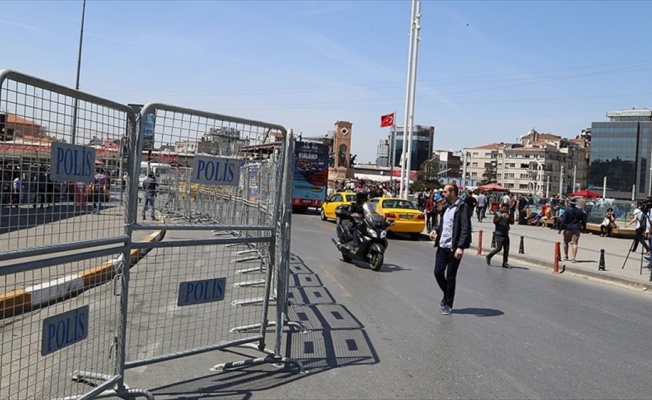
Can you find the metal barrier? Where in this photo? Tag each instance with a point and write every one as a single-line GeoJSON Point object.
{"type": "Point", "coordinates": [57, 248]}
{"type": "Point", "coordinates": [87, 287]}
{"type": "Point", "coordinates": [203, 287]}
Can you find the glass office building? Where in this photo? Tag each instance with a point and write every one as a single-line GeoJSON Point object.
{"type": "Point", "coordinates": [620, 151]}
{"type": "Point", "coordinates": [422, 146]}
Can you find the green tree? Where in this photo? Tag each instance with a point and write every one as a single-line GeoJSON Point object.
{"type": "Point", "coordinates": [427, 176]}
{"type": "Point", "coordinates": [490, 175]}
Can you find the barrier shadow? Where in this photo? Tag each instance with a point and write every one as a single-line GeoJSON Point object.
{"type": "Point", "coordinates": [333, 338]}
{"type": "Point", "coordinates": [26, 217]}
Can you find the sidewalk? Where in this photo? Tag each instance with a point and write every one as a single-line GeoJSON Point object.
{"type": "Point", "coordinates": [539, 249]}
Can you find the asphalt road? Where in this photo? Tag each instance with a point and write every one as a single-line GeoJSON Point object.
{"type": "Point", "coordinates": [520, 333]}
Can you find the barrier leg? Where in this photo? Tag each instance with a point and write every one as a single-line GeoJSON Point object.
{"type": "Point", "coordinates": [521, 247]}
{"type": "Point", "coordinates": [480, 242]}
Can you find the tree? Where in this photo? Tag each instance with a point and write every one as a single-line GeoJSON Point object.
{"type": "Point", "coordinates": [427, 176]}
{"type": "Point", "coordinates": [490, 175]}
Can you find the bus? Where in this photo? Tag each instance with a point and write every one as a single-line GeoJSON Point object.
{"type": "Point", "coordinates": [310, 175]}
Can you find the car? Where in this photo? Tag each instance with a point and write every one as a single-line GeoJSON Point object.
{"type": "Point", "coordinates": [406, 216]}
{"type": "Point", "coordinates": [334, 200]}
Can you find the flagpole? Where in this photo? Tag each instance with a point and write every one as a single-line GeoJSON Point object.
{"type": "Point", "coordinates": [392, 138]}
{"type": "Point", "coordinates": [413, 91]}
{"type": "Point", "coordinates": [406, 116]}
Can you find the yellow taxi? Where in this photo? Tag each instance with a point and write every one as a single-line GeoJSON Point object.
{"type": "Point", "coordinates": [406, 216]}
{"type": "Point", "coordinates": [334, 200]}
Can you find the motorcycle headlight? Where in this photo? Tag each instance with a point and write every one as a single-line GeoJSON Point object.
{"type": "Point", "coordinates": [383, 234]}
{"type": "Point", "coordinates": [373, 233]}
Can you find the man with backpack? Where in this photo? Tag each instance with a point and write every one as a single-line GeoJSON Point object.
{"type": "Point", "coordinates": [572, 223]}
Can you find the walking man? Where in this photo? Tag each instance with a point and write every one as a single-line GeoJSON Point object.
{"type": "Point", "coordinates": [150, 185]}
{"type": "Point", "coordinates": [572, 223]}
{"type": "Point", "coordinates": [481, 206]}
{"type": "Point", "coordinates": [452, 237]}
{"type": "Point", "coordinates": [502, 220]}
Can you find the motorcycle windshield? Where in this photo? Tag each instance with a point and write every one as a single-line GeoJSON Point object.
{"type": "Point", "coordinates": [372, 217]}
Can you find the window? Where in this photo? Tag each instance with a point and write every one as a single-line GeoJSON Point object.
{"type": "Point", "coordinates": [474, 174]}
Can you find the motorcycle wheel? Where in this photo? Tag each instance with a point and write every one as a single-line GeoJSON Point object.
{"type": "Point", "coordinates": [346, 257]}
{"type": "Point", "coordinates": [323, 216]}
{"type": "Point", "coordinates": [376, 261]}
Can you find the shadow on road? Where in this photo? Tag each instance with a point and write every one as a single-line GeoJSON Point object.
{"type": "Point", "coordinates": [479, 312]}
{"type": "Point", "coordinates": [333, 338]}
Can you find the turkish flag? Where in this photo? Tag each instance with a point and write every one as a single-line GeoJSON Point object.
{"type": "Point", "coordinates": [386, 120]}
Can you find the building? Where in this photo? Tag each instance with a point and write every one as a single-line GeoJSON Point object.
{"type": "Point", "coordinates": [389, 150]}
{"type": "Point", "coordinates": [450, 164]}
{"type": "Point", "coordinates": [541, 164]}
{"type": "Point", "coordinates": [620, 154]}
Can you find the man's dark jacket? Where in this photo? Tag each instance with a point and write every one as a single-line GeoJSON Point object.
{"type": "Point", "coordinates": [461, 226]}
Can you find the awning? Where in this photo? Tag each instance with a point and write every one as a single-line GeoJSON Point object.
{"type": "Point", "coordinates": [373, 177]}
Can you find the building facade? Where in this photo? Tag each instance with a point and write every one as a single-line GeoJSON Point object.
{"type": "Point", "coordinates": [541, 164]}
{"type": "Point", "coordinates": [389, 151]}
{"type": "Point", "coordinates": [621, 152]}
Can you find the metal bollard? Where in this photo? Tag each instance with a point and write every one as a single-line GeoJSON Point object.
{"type": "Point", "coordinates": [480, 242]}
{"type": "Point", "coordinates": [555, 264]}
{"type": "Point", "coordinates": [601, 266]}
{"type": "Point", "coordinates": [521, 247]}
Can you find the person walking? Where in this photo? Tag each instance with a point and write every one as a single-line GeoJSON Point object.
{"type": "Point", "coordinates": [429, 209]}
{"type": "Point", "coordinates": [16, 185]}
{"type": "Point", "coordinates": [502, 221]}
{"type": "Point", "coordinates": [150, 185]}
{"type": "Point", "coordinates": [572, 223]}
{"type": "Point", "coordinates": [452, 237]}
{"type": "Point", "coordinates": [100, 185]}
{"type": "Point", "coordinates": [481, 206]}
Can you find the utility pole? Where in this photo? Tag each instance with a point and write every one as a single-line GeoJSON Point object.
{"type": "Point", "coordinates": [574, 178]}
{"type": "Point", "coordinates": [561, 181]}
{"type": "Point", "coordinates": [74, 110]}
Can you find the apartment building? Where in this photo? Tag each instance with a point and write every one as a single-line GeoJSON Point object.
{"type": "Point", "coordinates": [541, 164]}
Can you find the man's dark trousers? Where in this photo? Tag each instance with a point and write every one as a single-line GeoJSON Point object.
{"type": "Point", "coordinates": [446, 273]}
{"type": "Point", "coordinates": [502, 243]}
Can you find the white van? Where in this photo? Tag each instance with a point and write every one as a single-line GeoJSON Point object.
{"type": "Point", "coordinates": [164, 173]}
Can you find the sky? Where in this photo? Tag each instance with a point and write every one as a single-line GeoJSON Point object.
{"type": "Point", "coordinates": [487, 71]}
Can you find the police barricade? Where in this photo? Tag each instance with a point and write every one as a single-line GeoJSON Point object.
{"type": "Point", "coordinates": [196, 288]}
{"type": "Point", "coordinates": [62, 260]}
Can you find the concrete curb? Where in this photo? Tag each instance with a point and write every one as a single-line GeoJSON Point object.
{"type": "Point", "coordinates": [565, 267]}
{"type": "Point", "coordinates": [20, 301]}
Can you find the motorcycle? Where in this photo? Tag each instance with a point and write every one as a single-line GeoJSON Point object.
{"type": "Point", "coordinates": [372, 229]}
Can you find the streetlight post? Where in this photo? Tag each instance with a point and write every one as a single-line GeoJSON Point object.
{"type": "Point", "coordinates": [81, 38]}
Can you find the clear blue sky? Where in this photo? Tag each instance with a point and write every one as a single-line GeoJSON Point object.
{"type": "Point", "coordinates": [488, 71]}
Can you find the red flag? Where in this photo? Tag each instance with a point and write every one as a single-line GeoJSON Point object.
{"type": "Point", "coordinates": [386, 120]}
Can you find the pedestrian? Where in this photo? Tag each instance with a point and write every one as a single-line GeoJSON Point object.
{"type": "Point", "coordinates": [608, 223]}
{"type": "Point", "coordinates": [502, 221]}
{"type": "Point", "coordinates": [572, 223]}
{"type": "Point", "coordinates": [150, 185]}
{"type": "Point", "coordinates": [16, 185]}
{"type": "Point", "coordinates": [100, 186]}
{"type": "Point", "coordinates": [452, 237]}
{"type": "Point", "coordinates": [639, 216]}
{"type": "Point", "coordinates": [429, 209]}
{"type": "Point", "coordinates": [481, 206]}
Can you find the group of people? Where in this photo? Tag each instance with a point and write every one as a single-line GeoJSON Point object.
{"type": "Point", "coordinates": [452, 236]}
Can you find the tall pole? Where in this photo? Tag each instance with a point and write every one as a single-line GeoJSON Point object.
{"type": "Point", "coordinates": [574, 178]}
{"type": "Point", "coordinates": [561, 182]}
{"type": "Point", "coordinates": [79, 55]}
{"type": "Point", "coordinates": [604, 187]}
{"type": "Point", "coordinates": [407, 99]}
{"type": "Point", "coordinates": [413, 90]}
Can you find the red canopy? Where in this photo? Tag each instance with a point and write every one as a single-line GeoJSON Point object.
{"type": "Point", "coordinates": [493, 187]}
{"type": "Point", "coordinates": [589, 194]}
